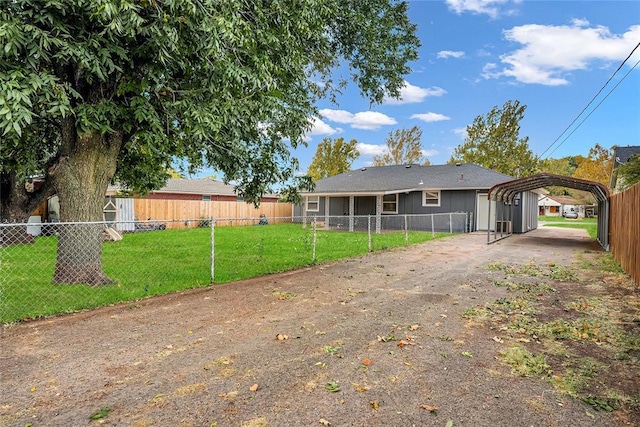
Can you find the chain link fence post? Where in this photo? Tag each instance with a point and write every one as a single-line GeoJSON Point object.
{"type": "Point", "coordinates": [313, 246]}
{"type": "Point", "coordinates": [406, 232]}
{"type": "Point", "coordinates": [212, 226]}
{"type": "Point", "coordinates": [369, 232]}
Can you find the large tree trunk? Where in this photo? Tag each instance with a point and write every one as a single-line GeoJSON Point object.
{"type": "Point", "coordinates": [81, 178]}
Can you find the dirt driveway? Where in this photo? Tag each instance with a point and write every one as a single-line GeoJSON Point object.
{"type": "Point", "coordinates": [373, 341]}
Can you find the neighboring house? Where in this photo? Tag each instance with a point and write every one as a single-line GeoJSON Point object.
{"type": "Point", "coordinates": [563, 203]}
{"type": "Point", "coordinates": [620, 156]}
{"type": "Point", "coordinates": [384, 191]}
{"type": "Point", "coordinates": [548, 206]}
{"type": "Point", "coordinates": [199, 189]}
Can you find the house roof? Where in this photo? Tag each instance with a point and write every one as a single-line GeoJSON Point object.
{"type": "Point", "coordinates": [378, 180]}
{"type": "Point", "coordinates": [564, 200]}
{"type": "Point", "coordinates": [203, 186]}
{"type": "Point", "coordinates": [196, 186]}
{"type": "Point", "coordinates": [622, 154]}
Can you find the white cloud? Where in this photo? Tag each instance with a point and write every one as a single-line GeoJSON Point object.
{"type": "Point", "coordinates": [411, 94]}
{"type": "Point", "coordinates": [321, 128]}
{"type": "Point", "coordinates": [450, 54]}
{"type": "Point", "coordinates": [550, 52]}
{"type": "Point", "coordinates": [461, 132]}
{"type": "Point", "coordinates": [493, 8]}
{"type": "Point", "coordinates": [368, 120]}
{"type": "Point", "coordinates": [430, 117]}
{"type": "Point", "coordinates": [370, 150]}
{"type": "Point", "coordinates": [430, 153]}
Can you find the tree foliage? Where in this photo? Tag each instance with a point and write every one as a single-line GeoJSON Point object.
{"type": "Point", "coordinates": [629, 172]}
{"type": "Point", "coordinates": [596, 166]}
{"type": "Point", "coordinates": [493, 141]}
{"type": "Point", "coordinates": [333, 158]}
{"type": "Point", "coordinates": [404, 146]}
{"type": "Point", "coordinates": [93, 91]}
{"type": "Point", "coordinates": [223, 83]}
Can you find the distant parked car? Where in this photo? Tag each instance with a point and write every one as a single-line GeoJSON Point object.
{"type": "Point", "coordinates": [571, 214]}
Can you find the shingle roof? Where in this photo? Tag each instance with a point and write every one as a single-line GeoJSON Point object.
{"type": "Point", "coordinates": [196, 186]}
{"type": "Point", "coordinates": [390, 179]}
{"type": "Point", "coordinates": [622, 154]}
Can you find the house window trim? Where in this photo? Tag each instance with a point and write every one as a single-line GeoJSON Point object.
{"type": "Point", "coordinates": [388, 212]}
{"type": "Point", "coordinates": [309, 201]}
{"type": "Point", "coordinates": [431, 205]}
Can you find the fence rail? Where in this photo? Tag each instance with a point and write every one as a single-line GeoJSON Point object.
{"type": "Point", "coordinates": [118, 262]}
{"type": "Point", "coordinates": [624, 230]}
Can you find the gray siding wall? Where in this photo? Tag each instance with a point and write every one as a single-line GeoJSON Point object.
{"type": "Point", "coordinates": [450, 201]}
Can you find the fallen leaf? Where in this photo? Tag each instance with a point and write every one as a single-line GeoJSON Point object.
{"type": "Point", "coordinates": [33, 389]}
{"type": "Point", "coordinates": [254, 387]}
{"type": "Point", "coordinates": [324, 422]}
{"type": "Point", "coordinates": [366, 361]}
{"type": "Point", "coordinates": [449, 423]}
{"type": "Point", "coordinates": [413, 327]}
{"type": "Point", "coordinates": [281, 337]}
{"type": "Point", "coordinates": [403, 343]}
{"type": "Point", "coordinates": [444, 316]}
{"type": "Point", "coordinates": [498, 339]}
{"type": "Point", "coordinates": [467, 354]}
{"type": "Point", "coordinates": [374, 404]}
{"type": "Point", "coordinates": [432, 409]}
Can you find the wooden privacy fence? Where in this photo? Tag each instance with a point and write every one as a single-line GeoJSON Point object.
{"type": "Point", "coordinates": [624, 230]}
{"type": "Point", "coordinates": [179, 210]}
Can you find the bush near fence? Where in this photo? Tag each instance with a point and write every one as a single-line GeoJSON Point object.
{"type": "Point", "coordinates": [155, 260]}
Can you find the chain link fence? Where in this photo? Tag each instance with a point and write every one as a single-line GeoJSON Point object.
{"type": "Point", "coordinates": [53, 268]}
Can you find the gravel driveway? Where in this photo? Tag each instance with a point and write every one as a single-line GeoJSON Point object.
{"type": "Point", "coordinates": [372, 341]}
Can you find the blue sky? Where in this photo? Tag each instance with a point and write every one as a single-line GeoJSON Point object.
{"type": "Point", "coordinates": [553, 56]}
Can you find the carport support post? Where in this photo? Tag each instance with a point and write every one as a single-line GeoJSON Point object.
{"type": "Point", "coordinates": [213, 246]}
{"type": "Point", "coordinates": [489, 222]}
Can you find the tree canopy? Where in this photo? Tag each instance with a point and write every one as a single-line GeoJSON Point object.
{"type": "Point", "coordinates": [93, 91]}
{"type": "Point", "coordinates": [404, 146]}
{"type": "Point", "coordinates": [596, 166]}
{"type": "Point", "coordinates": [332, 158]}
{"type": "Point", "coordinates": [629, 172]}
{"type": "Point", "coordinates": [493, 141]}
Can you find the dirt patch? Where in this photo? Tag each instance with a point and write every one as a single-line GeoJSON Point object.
{"type": "Point", "coordinates": [378, 340]}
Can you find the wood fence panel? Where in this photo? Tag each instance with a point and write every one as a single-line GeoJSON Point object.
{"type": "Point", "coordinates": [188, 213]}
{"type": "Point", "coordinates": [624, 230]}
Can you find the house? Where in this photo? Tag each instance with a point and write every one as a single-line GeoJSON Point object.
{"type": "Point", "coordinates": [621, 155]}
{"type": "Point", "coordinates": [204, 189]}
{"type": "Point", "coordinates": [549, 206]}
{"type": "Point", "coordinates": [387, 191]}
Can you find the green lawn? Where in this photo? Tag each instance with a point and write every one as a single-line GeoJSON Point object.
{"type": "Point", "coordinates": [159, 262]}
{"type": "Point", "coordinates": [563, 219]}
{"type": "Point", "coordinates": [592, 228]}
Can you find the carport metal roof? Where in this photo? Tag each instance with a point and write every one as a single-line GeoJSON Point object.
{"type": "Point", "coordinates": [507, 192]}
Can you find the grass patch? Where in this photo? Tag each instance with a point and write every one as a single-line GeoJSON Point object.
{"type": "Point", "coordinates": [160, 262]}
{"type": "Point", "coordinates": [592, 228]}
{"type": "Point", "coordinates": [563, 219]}
{"type": "Point", "coordinates": [524, 363]}
{"type": "Point", "coordinates": [574, 336]}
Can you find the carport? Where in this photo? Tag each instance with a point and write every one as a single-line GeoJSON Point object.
{"type": "Point", "coordinates": [509, 193]}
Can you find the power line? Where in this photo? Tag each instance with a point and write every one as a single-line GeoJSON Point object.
{"type": "Point", "coordinates": [591, 112]}
{"type": "Point", "coordinates": [590, 102]}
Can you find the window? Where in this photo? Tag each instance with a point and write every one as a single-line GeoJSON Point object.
{"type": "Point", "coordinates": [390, 204]}
{"type": "Point", "coordinates": [206, 198]}
{"type": "Point", "coordinates": [431, 198]}
{"type": "Point", "coordinates": [313, 203]}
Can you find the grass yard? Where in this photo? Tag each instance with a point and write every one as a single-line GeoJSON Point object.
{"type": "Point", "coordinates": [591, 227]}
{"type": "Point", "coordinates": [563, 219]}
{"type": "Point", "coordinates": [159, 262]}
